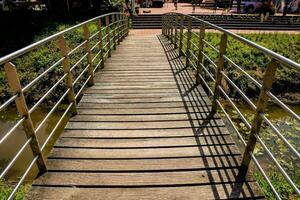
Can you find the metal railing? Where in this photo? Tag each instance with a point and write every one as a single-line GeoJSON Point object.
{"type": "Point", "coordinates": [179, 29]}
{"type": "Point", "coordinates": [111, 30]}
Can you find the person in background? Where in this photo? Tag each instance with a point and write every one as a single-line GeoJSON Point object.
{"type": "Point", "coordinates": [194, 3]}
{"type": "Point", "coordinates": [175, 4]}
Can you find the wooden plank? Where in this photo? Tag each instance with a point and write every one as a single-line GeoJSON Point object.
{"type": "Point", "coordinates": [143, 125]}
{"type": "Point", "coordinates": [192, 118]}
{"type": "Point", "coordinates": [217, 191]}
{"type": "Point", "coordinates": [138, 111]}
{"type": "Point", "coordinates": [139, 179]}
{"type": "Point", "coordinates": [144, 142]}
{"type": "Point", "coordinates": [175, 152]}
{"type": "Point", "coordinates": [205, 131]}
{"type": "Point", "coordinates": [178, 164]}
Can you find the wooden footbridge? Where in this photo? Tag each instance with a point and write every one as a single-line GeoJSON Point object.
{"type": "Point", "coordinates": [146, 127]}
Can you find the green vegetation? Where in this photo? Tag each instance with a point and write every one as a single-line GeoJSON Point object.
{"type": "Point", "coordinates": [34, 63]}
{"type": "Point", "coordinates": [5, 191]}
{"type": "Point", "coordinates": [254, 62]}
{"type": "Point", "coordinates": [289, 128]}
{"type": "Point", "coordinates": [286, 87]}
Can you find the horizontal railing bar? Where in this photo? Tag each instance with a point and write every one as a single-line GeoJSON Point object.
{"type": "Point", "coordinates": [47, 93]}
{"type": "Point", "coordinates": [82, 87]}
{"type": "Point", "coordinates": [52, 110]}
{"type": "Point", "coordinates": [211, 46]}
{"type": "Point", "coordinates": [235, 107]}
{"type": "Point", "coordinates": [283, 106]}
{"type": "Point", "coordinates": [11, 163]}
{"type": "Point", "coordinates": [239, 91]}
{"type": "Point", "coordinates": [81, 74]}
{"type": "Point", "coordinates": [264, 175]}
{"type": "Point", "coordinates": [76, 48]}
{"type": "Point", "coordinates": [232, 124]}
{"type": "Point", "coordinates": [56, 126]}
{"type": "Point", "coordinates": [97, 55]}
{"type": "Point", "coordinates": [98, 64]}
{"type": "Point", "coordinates": [207, 72]}
{"type": "Point", "coordinates": [268, 122]}
{"type": "Point", "coordinates": [79, 61]}
{"type": "Point", "coordinates": [269, 52]}
{"type": "Point", "coordinates": [208, 58]}
{"type": "Point", "coordinates": [12, 129]}
{"type": "Point", "coordinates": [243, 71]}
{"type": "Point", "coordinates": [207, 86]}
{"type": "Point", "coordinates": [271, 156]}
{"type": "Point", "coordinates": [8, 102]}
{"type": "Point", "coordinates": [97, 43]}
{"type": "Point", "coordinates": [42, 74]}
{"type": "Point", "coordinates": [28, 48]}
{"type": "Point", "coordinates": [12, 194]}
{"type": "Point", "coordinates": [95, 34]}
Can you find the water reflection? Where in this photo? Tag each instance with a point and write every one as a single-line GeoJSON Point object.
{"type": "Point", "coordinates": [18, 138]}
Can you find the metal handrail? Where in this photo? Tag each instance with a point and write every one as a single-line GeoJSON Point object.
{"type": "Point", "coordinates": [109, 35]}
{"type": "Point", "coordinates": [170, 22]}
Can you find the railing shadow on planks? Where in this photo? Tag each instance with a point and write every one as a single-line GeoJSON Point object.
{"type": "Point", "coordinates": [94, 48]}
{"type": "Point", "coordinates": [212, 76]}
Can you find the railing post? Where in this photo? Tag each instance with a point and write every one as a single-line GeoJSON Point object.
{"type": "Point", "coordinates": [168, 26]}
{"type": "Point", "coordinates": [188, 44]}
{"type": "Point", "coordinates": [220, 64]}
{"type": "Point", "coordinates": [163, 25]}
{"type": "Point", "coordinates": [172, 27]}
{"type": "Point", "coordinates": [118, 28]}
{"type": "Point", "coordinates": [176, 31]}
{"type": "Point", "coordinates": [108, 35]}
{"type": "Point", "coordinates": [181, 34]}
{"type": "Point", "coordinates": [114, 32]}
{"type": "Point", "coordinates": [86, 34]}
{"type": "Point", "coordinates": [15, 86]}
{"type": "Point", "coordinates": [122, 27]}
{"type": "Point", "coordinates": [200, 50]}
{"type": "Point", "coordinates": [257, 121]}
{"type": "Point", "coordinates": [100, 37]}
{"type": "Point", "coordinates": [66, 67]}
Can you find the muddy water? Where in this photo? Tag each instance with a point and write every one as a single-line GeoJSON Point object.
{"type": "Point", "coordinates": [16, 140]}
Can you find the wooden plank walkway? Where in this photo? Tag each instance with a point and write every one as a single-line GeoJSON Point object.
{"type": "Point", "coordinates": [144, 131]}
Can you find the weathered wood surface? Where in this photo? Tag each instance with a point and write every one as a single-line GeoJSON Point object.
{"type": "Point", "coordinates": [144, 131]}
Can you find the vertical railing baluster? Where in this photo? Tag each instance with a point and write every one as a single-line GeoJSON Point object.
{"type": "Point", "coordinates": [122, 27]}
{"type": "Point", "coordinates": [67, 70]}
{"type": "Point", "coordinates": [108, 35]}
{"type": "Point", "coordinates": [86, 34]}
{"type": "Point", "coordinates": [163, 25]}
{"type": "Point", "coordinates": [181, 35]}
{"type": "Point", "coordinates": [200, 55]}
{"type": "Point", "coordinates": [114, 32]}
{"type": "Point", "coordinates": [220, 64]}
{"type": "Point", "coordinates": [176, 31]}
{"type": "Point", "coordinates": [261, 105]}
{"type": "Point", "coordinates": [188, 42]}
{"type": "Point", "coordinates": [172, 27]}
{"type": "Point", "coordinates": [15, 86]}
{"type": "Point", "coordinates": [118, 28]}
{"type": "Point", "coordinates": [100, 38]}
